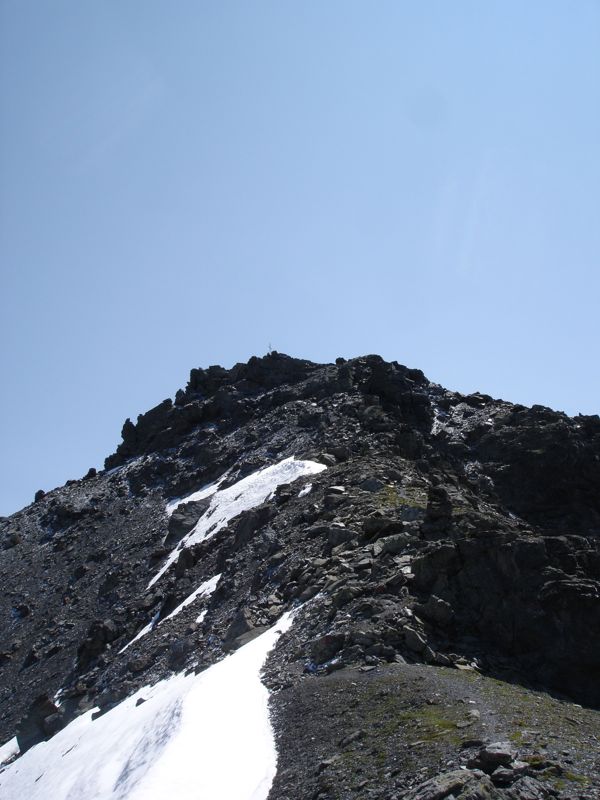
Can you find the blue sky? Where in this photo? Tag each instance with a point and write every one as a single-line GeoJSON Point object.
{"type": "Point", "coordinates": [185, 183]}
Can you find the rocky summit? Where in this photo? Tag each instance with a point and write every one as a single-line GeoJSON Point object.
{"type": "Point", "coordinates": [425, 563]}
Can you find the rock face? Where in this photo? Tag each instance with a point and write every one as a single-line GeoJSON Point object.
{"type": "Point", "coordinates": [460, 533]}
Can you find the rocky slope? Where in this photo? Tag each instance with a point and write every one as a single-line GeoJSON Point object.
{"type": "Point", "coordinates": [444, 550]}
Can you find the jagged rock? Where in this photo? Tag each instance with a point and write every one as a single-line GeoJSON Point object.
{"type": "Point", "coordinates": [435, 610]}
{"type": "Point", "coordinates": [183, 519]}
{"type": "Point", "coordinates": [339, 534]}
{"type": "Point", "coordinates": [438, 514]}
{"type": "Point", "coordinates": [379, 525]}
{"type": "Point", "coordinates": [42, 720]}
{"type": "Point", "coordinates": [391, 544]}
{"type": "Point", "coordinates": [496, 754]}
{"type": "Point", "coordinates": [138, 664]}
{"type": "Point", "coordinates": [241, 625]}
{"type": "Point", "coordinates": [325, 458]}
{"type": "Point", "coordinates": [527, 788]}
{"type": "Point", "coordinates": [415, 641]}
{"type": "Point", "coordinates": [326, 647]}
{"type": "Point", "coordinates": [446, 530]}
{"type": "Point", "coordinates": [178, 653]}
{"type": "Point", "coordinates": [372, 485]}
{"type": "Point", "coordinates": [99, 635]}
{"type": "Point", "coordinates": [250, 522]}
{"type": "Point", "coordinates": [503, 776]}
{"type": "Point", "coordinates": [446, 784]}
{"type": "Point", "coordinates": [441, 561]}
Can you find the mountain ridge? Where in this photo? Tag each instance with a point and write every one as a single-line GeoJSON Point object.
{"type": "Point", "coordinates": [443, 533]}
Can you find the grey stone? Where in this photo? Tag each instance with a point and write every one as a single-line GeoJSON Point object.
{"type": "Point", "coordinates": [503, 776]}
{"type": "Point", "coordinates": [442, 785]}
{"type": "Point", "coordinates": [496, 754]}
{"type": "Point", "coordinates": [527, 788]}
{"type": "Point", "coordinates": [33, 727]}
{"type": "Point", "coordinates": [183, 519]}
{"type": "Point", "coordinates": [339, 534]}
{"type": "Point", "coordinates": [391, 544]}
{"type": "Point", "coordinates": [415, 641]}
{"type": "Point", "coordinates": [325, 647]}
{"type": "Point", "coordinates": [327, 459]}
{"type": "Point", "coordinates": [436, 610]}
{"type": "Point", "coordinates": [372, 485]}
{"type": "Point", "coordinates": [241, 624]}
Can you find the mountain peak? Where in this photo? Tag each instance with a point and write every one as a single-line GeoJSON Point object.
{"type": "Point", "coordinates": [431, 551]}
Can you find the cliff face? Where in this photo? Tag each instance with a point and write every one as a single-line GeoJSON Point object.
{"type": "Point", "coordinates": [423, 533]}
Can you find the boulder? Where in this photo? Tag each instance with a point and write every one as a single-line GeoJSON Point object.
{"type": "Point", "coordinates": [527, 788]}
{"type": "Point", "coordinates": [436, 611]}
{"type": "Point", "coordinates": [100, 633]}
{"type": "Point", "coordinates": [391, 544]}
{"type": "Point", "coordinates": [494, 755]}
{"type": "Point", "coordinates": [445, 785]}
{"type": "Point", "coordinates": [338, 534]}
{"type": "Point", "coordinates": [414, 640]}
{"type": "Point", "coordinates": [41, 721]}
{"type": "Point", "coordinates": [372, 485]}
{"type": "Point", "coordinates": [184, 518]}
{"type": "Point", "coordinates": [442, 560]}
{"type": "Point", "coordinates": [325, 647]}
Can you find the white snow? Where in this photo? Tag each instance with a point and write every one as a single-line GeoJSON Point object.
{"type": "Point", "coordinates": [8, 750]}
{"type": "Point", "coordinates": [227, 503]}
{"type": "Point", "coordinates": [305, 490]}
{"type": "Point", "coordinates": [204, 590]}
{"type": "Point", "coordinates": [146, 629]}
{"type": "Point", "coordinates": [205, 491]}
{"type": "Point", "coordinates": [197, 737]}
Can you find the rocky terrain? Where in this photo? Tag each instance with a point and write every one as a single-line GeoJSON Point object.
{"type": "Point", "coordinates": [442, 552]}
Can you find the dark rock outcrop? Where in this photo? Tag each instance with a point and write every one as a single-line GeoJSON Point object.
{"type": "Point", "coordinates": [457, 532]}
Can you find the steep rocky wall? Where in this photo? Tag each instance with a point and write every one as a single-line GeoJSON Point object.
{"type": "Point", "coordinates": [449, 530]}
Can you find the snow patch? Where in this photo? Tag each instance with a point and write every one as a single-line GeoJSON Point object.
{"type": "Point", "coordinates": [204, 590]}
{"type": "Point", "coordinates": [195, 736]}
{"type": "Point", "coordinates": [306, 490]}
{"type": "Point", "coordinates": [146, 629]}
{"type": "Point", "coordinates": [205, 491]}
{"type": "Point", "coordinates": [226, 504]}
{"type": "Point", "coordinates": [8, 750]}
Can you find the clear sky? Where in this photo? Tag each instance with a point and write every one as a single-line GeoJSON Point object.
{"type": "Point", "coordinates": [184, 184]}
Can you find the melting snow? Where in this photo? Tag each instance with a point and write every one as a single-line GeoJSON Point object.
{"type": "Point", "coordinates": [146, 629]}
{"type": "Point", "coordinates": [8, 750]}
{"type": "Point", "coordinates": [196, 737]}
{"type": "Point", "coordinates": [227, 503]}
{"type": "Point", "coordinates": [205, 491]}
{"type": "Point", "coordinates": [204, 590]}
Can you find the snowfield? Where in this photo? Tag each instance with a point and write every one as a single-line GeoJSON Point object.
{"type": "Point", "coordinates": [193, 737]}
{"type": "Point", "coordinates": [8, 750]}
{"type": "Point", "coordinates": [226, 504]}
{"type": "Point", "coordinates": [188, 737]}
